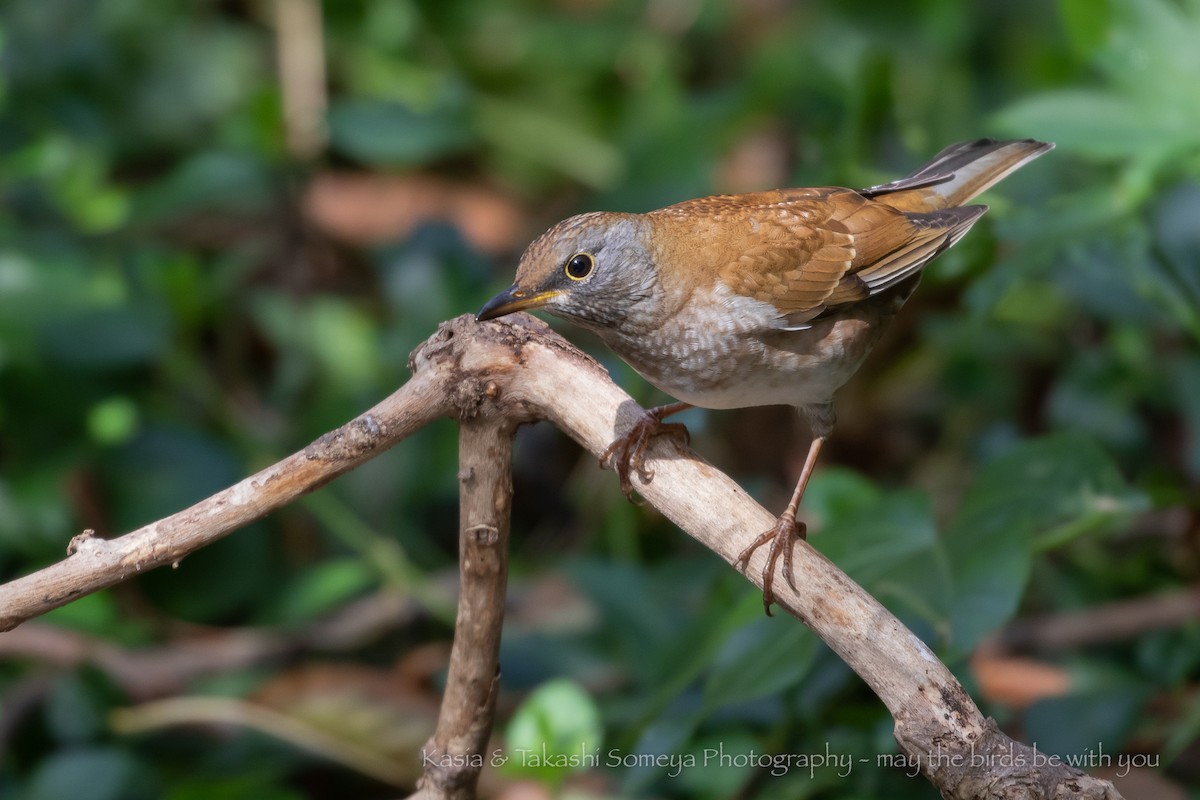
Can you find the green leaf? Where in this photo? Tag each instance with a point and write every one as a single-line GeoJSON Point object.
{"type": "Point", "coordinates": [1050, 482]}
{"type": "Point", "coordinates": [1145, 50]}
{"type": "Point", "coordinates": [553, 732]}
{"type": "Point", "coordinates": [344, 340]}
{"type": "Point", "coordinates": [1041, 493]}
{"type": "Point", "coordinates": [97, 614]}
{"type": "Point", "coordinates": [718, 772]}
{"type": "Point", "coordinates": [1096, 123]}
{"type": "Point", "coordinates": [989, 561]}
{"type": "Point", "coordinates": [225, 180]}
{"type": "Point", "coordinates": [1178, 238]}
{"type": "Point", "coordinates": [324, 587]}
{"type": "Point", "coordinates": [684, 651]}
{"type": "Point", "coordinates": [113, 420]}
{"type": "Point", "coordinates": [671, 733]}
{"type": "Point", "coordinates": [1084, 724]}
{"type": "Point", "coordinates": [1184, 730]}
{"type": "Point", "coordinates": [108, 338]}
{"type": "Point", "coordinates": [1185, 380]}
{"type": "Point", "coordinates": [389, 134]}
{"type": "Point", "coordinates": [99, 773]}
{"type": "Point", "coordinates": [759, 659]}
{"type": "Point", "coordinates": [1169, 657]}
{"type": "Point", "coordinates": [621, 593]}
{"type": "Point", "coordinates": [552, 141]}
{"type": "Point", "coordinates": [876, 540]}
{"type": "Point", "coordinates": [252, 786]}
{"type": "Point", "coordinates": [836, 493]}
{"type": "Point", "coordinates": [1086, 23]}
{"type": "Point", "coordinates": [74, 711]}
{"type": "Point", "coordinates": [1151, 51]}
{"type": "Point", "coordinates": [163, 469]}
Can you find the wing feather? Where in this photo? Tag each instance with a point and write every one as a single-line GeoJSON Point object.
{"type": "Point", "coordinates": [806, 251]}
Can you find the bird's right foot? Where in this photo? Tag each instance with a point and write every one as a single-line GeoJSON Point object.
{"type": "Point", "coordinates": [628, 452]}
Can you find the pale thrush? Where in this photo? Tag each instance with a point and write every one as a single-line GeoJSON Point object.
{"type": "Point", "coordinates": [755, 299]}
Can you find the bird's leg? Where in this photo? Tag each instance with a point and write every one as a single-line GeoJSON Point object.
{"type": "Point", "coordinates": [784, 534]}
{"type": "Point", "coordinates": [628, 452]}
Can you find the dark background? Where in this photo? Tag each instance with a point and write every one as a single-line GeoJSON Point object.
{"type": "Point", "coordinates": [194, 284]}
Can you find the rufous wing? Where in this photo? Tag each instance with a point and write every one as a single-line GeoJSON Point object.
{"type": "Point", "coordinates": [808, 250]}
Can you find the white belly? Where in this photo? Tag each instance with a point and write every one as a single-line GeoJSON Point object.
{"type": "Point", "coordinates": [728, 355]}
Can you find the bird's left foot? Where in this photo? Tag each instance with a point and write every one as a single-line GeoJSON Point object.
{"type": "Point", "coordinates": [782, 537]}
{"type": "Point", "coordinates": [628, 452]}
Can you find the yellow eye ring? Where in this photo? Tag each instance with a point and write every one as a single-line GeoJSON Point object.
{"type": "Point", "coordinates": [579, 266]}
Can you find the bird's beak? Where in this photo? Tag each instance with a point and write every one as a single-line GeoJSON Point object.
{"type": "Point", "coordinates": [513, 299]}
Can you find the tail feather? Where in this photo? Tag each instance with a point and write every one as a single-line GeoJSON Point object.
{"type": "Point", "coordinates": [957, 174]}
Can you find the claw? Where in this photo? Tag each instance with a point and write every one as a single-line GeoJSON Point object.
{"type": "Point", "coordinates": [628, 452]}
{"type": "Point", "coordinates": [782, 538]}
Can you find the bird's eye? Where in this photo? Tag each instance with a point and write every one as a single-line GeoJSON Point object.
{"type": "Point", "coordinates": [579, 266]}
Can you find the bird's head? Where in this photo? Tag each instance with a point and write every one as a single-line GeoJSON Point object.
{"type": "Point", "coordinates": [592, 269]}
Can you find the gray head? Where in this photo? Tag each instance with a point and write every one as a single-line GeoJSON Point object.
{"type": "Point", "coordinates": [594, 269]}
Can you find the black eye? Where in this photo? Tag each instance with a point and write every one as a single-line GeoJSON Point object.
{"type": "Point", "coordinates": [579, 266]}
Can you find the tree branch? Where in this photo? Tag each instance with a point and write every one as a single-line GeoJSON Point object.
{"type": "Point", "coordinates": [517, 369]}
{"type": "Point", "coordinates": [94, 563]}
{"type": "Point", "coordinates": [454, 756]}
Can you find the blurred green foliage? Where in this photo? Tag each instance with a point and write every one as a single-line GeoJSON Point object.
{"type": "Point", "coordinates": [175, 315]}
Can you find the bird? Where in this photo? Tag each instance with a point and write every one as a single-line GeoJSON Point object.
{"type": "Point", "coordinates": [765, 298]}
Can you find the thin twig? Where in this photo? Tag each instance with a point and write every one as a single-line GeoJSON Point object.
{"type": "Point", "coordinates": [95, 563]}
{"type": "Point", "coordinates": [1101, 624]}
{"type": "Point", "coordinates": [300, 50]}
{"type": "Point", "coordinates": [150, 672]}
{"type": "Point", "coordinates": [287, 727]}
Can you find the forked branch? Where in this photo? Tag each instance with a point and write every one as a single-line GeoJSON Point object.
{"type": "Point", "coordinates": [492, 377]}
